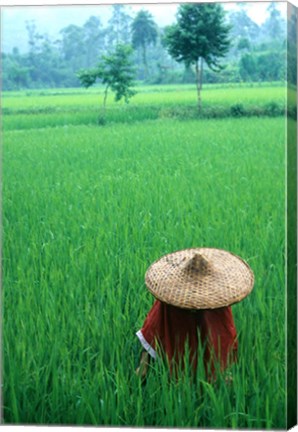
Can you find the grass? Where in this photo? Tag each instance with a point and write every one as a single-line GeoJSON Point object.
{"type": "Point", "coordinates": [86, 209]}
{"type": "Point", "coordinates": [163, 95]}
{"type": "Point", "coordinates": [80, 106]}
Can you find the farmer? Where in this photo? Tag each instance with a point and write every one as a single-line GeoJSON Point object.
{"type": "Point", "coordinates": [194, 289]}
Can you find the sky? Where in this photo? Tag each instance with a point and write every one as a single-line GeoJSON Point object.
{"type": "Point", "coordinates": [50, 19]}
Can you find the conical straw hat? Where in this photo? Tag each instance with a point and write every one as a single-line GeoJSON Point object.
{"type": "Point", "coordinates": [200, 278]}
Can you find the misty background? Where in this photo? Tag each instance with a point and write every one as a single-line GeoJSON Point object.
{"type": "Point", "coordinates": [45, 46]}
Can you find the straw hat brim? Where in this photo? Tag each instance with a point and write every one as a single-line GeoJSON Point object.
{"type": "Point", "coordinates": [200, 278]}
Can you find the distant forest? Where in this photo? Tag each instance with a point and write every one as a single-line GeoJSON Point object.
{"type": "Point", "coordinates": [257, 52]}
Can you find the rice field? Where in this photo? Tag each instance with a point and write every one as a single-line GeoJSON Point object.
{"type": "Point", "coordinates": [81, 106]}
{"type": "Point", "coordinates": [86, 209]}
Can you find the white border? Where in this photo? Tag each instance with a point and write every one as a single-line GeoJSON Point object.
{"type": "Point", "coordinates": [7, 3]}
{"type": "Point", "coordinates": [108, 2]}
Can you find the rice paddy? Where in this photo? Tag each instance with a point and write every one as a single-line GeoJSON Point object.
{"type": "Point", "coordinates": [45, 108]}
{"type": "Point", "coordinates": [86, 209]}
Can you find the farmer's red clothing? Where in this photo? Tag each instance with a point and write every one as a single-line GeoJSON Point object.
{"type": "Point", "coordinates": [171, 328]}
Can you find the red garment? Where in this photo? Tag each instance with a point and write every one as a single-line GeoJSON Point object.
{"type": "Point", "coordinates": [170, 328]}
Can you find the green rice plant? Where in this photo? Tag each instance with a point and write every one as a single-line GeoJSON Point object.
{"type": "Point", "coordinates": [75, 108]}
{"type": "Point", "coordinates": [86, 209]}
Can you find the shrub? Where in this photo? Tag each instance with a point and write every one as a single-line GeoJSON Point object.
{"type": "Point", "coordinates": [238, 110]}
{"type": "Point", "coordinates": [273, 109]}
{"type": "Point", "coordinates": [101, 121]}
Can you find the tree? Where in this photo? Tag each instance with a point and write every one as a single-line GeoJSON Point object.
{"type": "Point", "coordinates": [35, 43]}
{"type": "Point", "coordinates": [73, 46]}
{"type": "Point", "coordinates": [264, 66]}
{"type": "Point", "coordinates": [200, 34]}
{"type": "Point", "coordinates": [93, 40]}
{"type": "Point", "coordinates": [272, 66]}
{"type": "Point", "coordinates": [243, 44]}
{"type": "Point", "coordinates": [119, 25]}
{"type": "Point", "coordinates": [242, 26]}
{"type": "Point", "coordinates": [42, 61]}
{"type": "Point", "coordinates": [15, 75]}
{"type": "Point", "coordinates": [274, 26]}
{"type": "Point", "coordinates": [115, 71]}
{"type": "Point", "coordinates": [144, 33]}
{"type": "Point", "coordinates": [248, 67]}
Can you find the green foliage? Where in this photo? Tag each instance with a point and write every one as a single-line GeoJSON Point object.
{"type": "Point", "coordinates": [94, 41]}
{"type": "Point", "coordinates": [243, 29]}
{"type": "Point", "coordinates": [76, 245]}
{"type": "Point", "coordinates": [79, 106]}
{"type": "Point", "coordinates": [14, 74]}
{"type": "Point", "coordinates": [274, 109]}
{"type": "Point", "coordinates": [243, 44]}
{"type": "Point", "coordinates": [118, 30]}
{"type": "Point", "coordinates": [248, 67]}
{"type": "Point", "coordinates": [144, 30]}
{"type": "Point", "coordinates": [53, 63]}
{"type": "Point", "coordinates": [274, 23]}
{"type": "Point", "coordinates": [88, 77]}
{"type": "Point", "coordinates": [200, 32]}
{"type": "Point", "coordinates": [272, 66]}
{"type": "Point", "coordinates": [115, 71]}
{"type": "Point", "coordinates": [237, 110]}
{"type": "Point", "coordinates": [265, 66]}
{"type": "Point", "coordinates": [144, 33]}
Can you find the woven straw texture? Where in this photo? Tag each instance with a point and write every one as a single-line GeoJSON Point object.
{"type": "Point", "coordinates": [200, 278]}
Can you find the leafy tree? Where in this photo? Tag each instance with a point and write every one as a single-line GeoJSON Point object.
{"type": "Point", "coordinates": [35, 48]}
{"type": "Point", "coordinates": [118, 30]}
{"type": "Point", "coordinates": [264, 66]}
{"type": "Point", "coordinates": [73, 46]}
{"type": "Point", "coordinates": [115, 71]}
{"type": "Point", "coordinates": [93, 40]}
{"type": "Point", "coordinates": [15, 75]}
{"type": "Point", "coordinates": [200, 34]}
{"type": "Point", "coordinates": [272, 66]}
{"type": "Point", "coordinates": [43, 62]}
{"type": "Point", "coordinates": [274, 25]}
{"type": "Point", "coordinates": [144, 33]}
{"type": "Point", "coordinates": [243, 44]}
{"type": "Point", "coordinates": [242, 26]}
{"type": "Point", "coordinates": [255, 54]}
{"type": "Point", "coordinates": [248, 67]}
